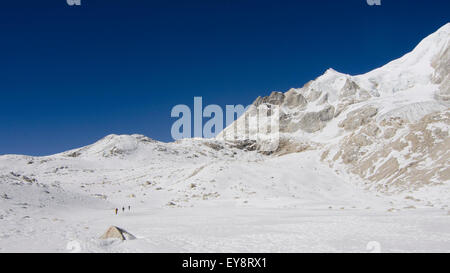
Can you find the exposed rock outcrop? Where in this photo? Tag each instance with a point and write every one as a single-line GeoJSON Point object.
{"type": "Point", "coordinates": [359, 117]}
{"type": "Point", "coordinates": [441, 76]}
{"type": "Point", "coordinates": [401, 159]}
{"type": "Point", "coordinates": [293, 99]}
{"type": "Point", "coordinates": [275, 98]}
{"type": "Point", "coordinates": [314, 121]}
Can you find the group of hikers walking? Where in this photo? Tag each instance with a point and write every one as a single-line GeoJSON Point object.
{"type": "Point", "coordinates": [123, 209]}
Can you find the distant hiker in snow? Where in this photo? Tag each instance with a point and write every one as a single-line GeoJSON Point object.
{"type": "Point", "coordinates": [117, 210]}
{"type": "Point", "coordinates": [123, 209]}
{"type": "Point", "coordinates": [129, 208]}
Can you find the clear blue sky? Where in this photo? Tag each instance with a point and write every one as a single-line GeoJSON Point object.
{"type": "Point", "coordinates": [71, 75]}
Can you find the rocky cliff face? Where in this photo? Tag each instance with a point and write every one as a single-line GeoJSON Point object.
{"type": "Point", "coordinates": [397, 155]}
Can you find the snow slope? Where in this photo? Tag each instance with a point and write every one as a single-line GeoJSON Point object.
{"type": "Point", "coordinates": [291, 203]}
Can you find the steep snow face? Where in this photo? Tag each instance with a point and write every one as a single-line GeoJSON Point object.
{"type": "Point", "coordinates": [415, 69]}
{"type": "Point", "coordinates": [416, 78]}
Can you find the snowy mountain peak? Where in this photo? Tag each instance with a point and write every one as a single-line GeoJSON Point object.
{"type": "Point", "coordinates": [410, 87]}
{"type": "Point", "coordinates": [331, 71]}
{"type": "Point", "coordinates": [363, 120]}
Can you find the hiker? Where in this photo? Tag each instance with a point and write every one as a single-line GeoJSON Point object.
{"type": "Point", "coordinates": [117, 210]}
{"type": "Point", "coordinates": [129, 208]}
{"type": "Point", "coordinates": [123, 209]}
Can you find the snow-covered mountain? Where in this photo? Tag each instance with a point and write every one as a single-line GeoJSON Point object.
{"type": "Point", "coordinates": [388, 126]}
{"type": "Point", "coordinates": [353, 150]}
{"type": "Point", "coordinates": [409, 88]}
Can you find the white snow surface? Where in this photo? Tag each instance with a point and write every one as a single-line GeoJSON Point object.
{"type": "Point", "coordinates": [186, 197]}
